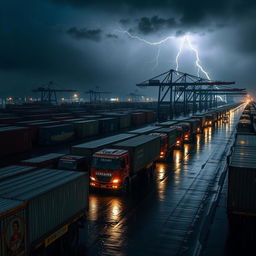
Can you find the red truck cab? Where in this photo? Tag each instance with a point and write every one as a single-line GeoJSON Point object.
{"type": "Point", "coordinates": [109, 168]}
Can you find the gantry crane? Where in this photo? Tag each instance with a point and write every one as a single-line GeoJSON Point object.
{"type": "Point", "coordinates": [49, 94]}
{"type": "Point", "coordinates": [175, 86]}
{"type": "Point", "coordinates": [96, 95]}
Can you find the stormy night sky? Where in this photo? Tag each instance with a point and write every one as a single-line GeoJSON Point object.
{"type": "Point", "coordinates": [79, 44]}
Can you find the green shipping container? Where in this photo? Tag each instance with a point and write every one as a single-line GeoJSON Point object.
{"type": "Point", "coordinates": [86, 128]}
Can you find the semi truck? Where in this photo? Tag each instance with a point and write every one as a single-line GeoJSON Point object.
{"type": "Point", "coordinates": [169, 138]}
{"type": "Point", "coordinates": [118, 166]}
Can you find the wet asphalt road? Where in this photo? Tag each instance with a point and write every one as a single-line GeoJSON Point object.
{"type": "Point", "coordinates": [164, 216]}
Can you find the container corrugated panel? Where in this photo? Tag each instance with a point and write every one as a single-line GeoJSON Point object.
{"type": "Point", "coordinates": [245, 140]}
{"type": "Point", "coordinates": [241, 183]}
{"type": "Point", "coordinates": [53, 198]}
{"type": "Point", "coordinates": [56, 134]}
{"type": "Point", "coordinates": [172, 134]}
{"type": "Point", "coordinates": [143, 150]}
{"type": "Point", "coordinates": [12, 215]}
{"type": "Point", "coordinates": [124, 119]}
{"type": "Point", "coordinates": [13, 171]}
{"type": "Point", "coordinates": [88, 148]}
{"type": "Point", "coordinates": [86, 128]}
{"type": "Point", "coordinates": [48, 160]}
{"type": "Point", "coordinates": [107, 125]}
{"type": "Point", "coordinates": [144, 130]}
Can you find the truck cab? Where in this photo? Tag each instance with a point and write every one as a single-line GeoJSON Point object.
{"type": "Point", "coordinates": [109, 168]}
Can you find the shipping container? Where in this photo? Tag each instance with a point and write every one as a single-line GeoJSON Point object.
{"type": "Point", "coordinates": [56, 134]}
{"type": "Point", "coordinates": [145, 130]}
{"type": "Point", "coordinates": [143, 150]}
{"type": "Point", "coordinates": [195, 125]}
{"type": "Point", "coordinates": [86, 128]}
{"type": "Point", "coordinates": [124, 119]}
{"type": "Point", "coordinates": [35, 125]}
{"type": "Point", "coordinates": [241, 181]}
{"type": "Point", "coordinates": [88, 148]}
{"type": "Point", "coordinates": [244, 126]}
{"type": "Point", "coordinates": [13, 171]}
{"type": "Point", "coordinates": [138, 119]}
{"type": "Point", "coordinates": [91, 117]}
{"type": "Point", "coordinates": [14, 140]}
{"type": "Point", "coordinates": [44, 161]}
{"type": "Point", "coordinates": [108, 125]}
{"type": "Point", "coordinates": [245, 140]}
{"type": "Point", "coordinates": [167, 124]}
{"type": "Point", "coordinates": [72, 120]}
{"type": "Point", "coordinates": [172, 134]}
{"type": "Point", "coordinates": [12, 222]}
{"type": "Point", "coordinates": [54, 199]}
{"type": "Point", "coordinates": [202, 119]}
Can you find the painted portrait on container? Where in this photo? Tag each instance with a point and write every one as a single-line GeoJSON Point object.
{"type": "Point", "coordinates": [14, 235]}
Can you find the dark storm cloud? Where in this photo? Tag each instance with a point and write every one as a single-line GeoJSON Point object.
{"type": "Point", "coordinates": [84, 33]}
{"type": "Point", "coordinates": [124, 21]}
{"type": "Point", "coordinates": [114, 36]}
{"type": "Point", "coordinates": [148, 25]}
{"type": "Point", "coordinates": [191, 12]}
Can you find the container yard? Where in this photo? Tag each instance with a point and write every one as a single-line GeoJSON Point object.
{"type": "Point", "coordinates": [86, 163]}
{"type": "Point", "coordinates": [127, 128]}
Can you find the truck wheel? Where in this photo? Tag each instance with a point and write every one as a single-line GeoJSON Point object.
{"type": "Point", "coordinates": [126, 187]}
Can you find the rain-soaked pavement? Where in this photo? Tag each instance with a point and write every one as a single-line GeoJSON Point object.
{"type": "Point", "coordinates": [167, 216]}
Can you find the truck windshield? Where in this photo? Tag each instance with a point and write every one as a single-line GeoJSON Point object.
{"type": "Point", "coordinates": [67, 164]}
{"type": "Point", "coordinates": [105, 163]}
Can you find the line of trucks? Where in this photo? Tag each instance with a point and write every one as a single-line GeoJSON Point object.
{"type": "Point", "coordinates": [45, 198]}
{"type": "Point", "coordinates": [241, 201]}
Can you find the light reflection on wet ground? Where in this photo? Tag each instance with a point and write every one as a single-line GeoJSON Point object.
{"type": "Point", "coordinates": [158, 219]}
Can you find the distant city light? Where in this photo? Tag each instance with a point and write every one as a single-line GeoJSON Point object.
{"type": "Point", "coordinates": [114, 99]}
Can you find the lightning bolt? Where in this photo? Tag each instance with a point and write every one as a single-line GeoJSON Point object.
{"type": "Point", "coordinates": [183, 40]}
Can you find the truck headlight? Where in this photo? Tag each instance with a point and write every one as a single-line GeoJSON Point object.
{"type": "Point", "coordinates": [116, 180]}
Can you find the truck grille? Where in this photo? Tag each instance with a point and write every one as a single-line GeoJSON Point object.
{"type": "Point", "coordinates": [103, 178]}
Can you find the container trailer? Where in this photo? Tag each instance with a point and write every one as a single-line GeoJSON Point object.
{"type": "Point", "coordinates": [47, 205]}
{"type": "Point", "coordinates": [56, 134]}
{"type": "Point", "coordinates": [44, 161]}
{"type": "Point", "coordinates": [118, 166]}
{"type": "Point", "coordinates": [87, 149]}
